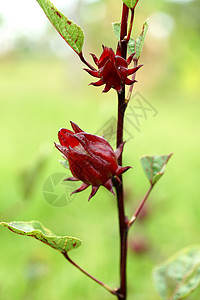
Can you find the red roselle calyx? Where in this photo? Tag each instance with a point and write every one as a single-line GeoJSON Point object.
{"type": "Point", "coordinates": [91, 159]}
{"type": "Point", "coordinates": [112, 70]}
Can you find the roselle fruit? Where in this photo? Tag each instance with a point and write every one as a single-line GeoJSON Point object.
{"type": "Point", "coordinates": [91, 159]}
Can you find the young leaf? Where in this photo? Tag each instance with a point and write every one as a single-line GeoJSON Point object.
{"type": "Point", "coordinates": [116, 28]}
{"type": "Point", "coordinates": [134, 46]}
{"type": "Point", "coordinates": [178, 276]}
{"type": "Point", "coordinates": [154, 166]}
{"type": "Point", "coordinates": [39, 232]}
{"type": "Point", "coordinates": [69, 31]}
{"type": "Point", "coordinates": [131, 3]}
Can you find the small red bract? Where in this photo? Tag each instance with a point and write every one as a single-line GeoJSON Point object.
{"type": "Point", "coordinates": [112, 70]}
{"type": "Point", "coordinates": [91, 159]}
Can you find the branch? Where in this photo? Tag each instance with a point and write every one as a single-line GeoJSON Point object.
{"type": "Point", "coordinates": [131, 26]}
{"type": "Point", "coordinates": [123, 31]}
{"type": "Point", "coordinates": [132, 220]}
{"type": "Point", "coordinates": [132, 85]}
{"type": "Point", "coordinates": [114, 292]}
{"type": "Point", "coordinates": [86, 62]}
{"type": "Point", "coordinates": [123, 227]}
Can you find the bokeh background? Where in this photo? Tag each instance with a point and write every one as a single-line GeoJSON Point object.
{"type": "Point", "coordinates": [42, 88]}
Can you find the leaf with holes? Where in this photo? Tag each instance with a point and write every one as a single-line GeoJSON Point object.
{"type": "Point", "coordinates": [179, 276]}
{"type": "Point", "coordinates": [131, 3]}
{"type": "Point", "coordinates": [38, 231]}
{"type": "Point", "coordinates": [154, 166]}
{"type": "Point", "coordinates": [69, 31]}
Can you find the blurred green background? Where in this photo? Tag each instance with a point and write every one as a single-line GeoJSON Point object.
{"type": "Point", "coordinates": [42, 88]}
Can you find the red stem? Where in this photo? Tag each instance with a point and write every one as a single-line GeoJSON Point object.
{"type": "Point", "coordinates": [131, 26]}
{"type": "Point", "coordinates": [123, 32]}
{"type": "Point", "coordinates": [132, 220]}
{"type": "Point", "coordinates": [132, 85]}
{"type": "Point", "coordinates": [85, 61]}
{"type": "Point", "coordinates": [114, 292]}
{"type": "Point", "coordinates": [123, 227]}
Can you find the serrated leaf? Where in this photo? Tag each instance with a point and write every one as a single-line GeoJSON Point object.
{"type": "Point", "coordinates": [179, 276]}
{"type": "Point", "coordinates": [38, 231]}
{"type": "Point", "coordinates": [154, 166]}
{"type": "Point", "coordinates": [134, 46]}
{"type": "Point", "coordinates": [64, 163]}
{"type": "Point", "coordinates": [130, 3]}
{"type": "Point", "coordinates": [69, 31]}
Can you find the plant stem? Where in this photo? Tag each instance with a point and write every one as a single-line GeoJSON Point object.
{"type": "Point", "coordinates": [123, 227]}
{"type": "Point", "coordinates": [109, 289]}
{"type": "Point", "coordinates": [132, 220]}
{"type": "Point", "coordinates": [123, 32]}
{"type": "Point", "coordinates": [131, 26]}
{"type": "Point", "coordinates": [123, 243]}
{"type": "Point", "coordinates": [82, 58]}
{"type": "Point", "coordinates": [132, 85]}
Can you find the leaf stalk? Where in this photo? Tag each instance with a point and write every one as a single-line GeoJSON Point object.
{"type": "Point", "coordinates": [105, 286]}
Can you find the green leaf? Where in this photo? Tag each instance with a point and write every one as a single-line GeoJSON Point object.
{"type": "Point", "coordinates": [39, 232]}
{"type": "Point", "coordinates": [69, 31]}
{"type": "Point", "coordinates": [179, 276]}
{"type": "Point", "coordinates": [64, 163]}
{"type": "Point", "coordinates": [134, 46]}
{"type": "Point", "coordinates": [130, 3]}
{"type": "Point", "coordinates": [154, 166]}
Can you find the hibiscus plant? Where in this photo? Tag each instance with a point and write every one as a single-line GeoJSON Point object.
{"type": "Point", "coordinates": [93, 162]}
